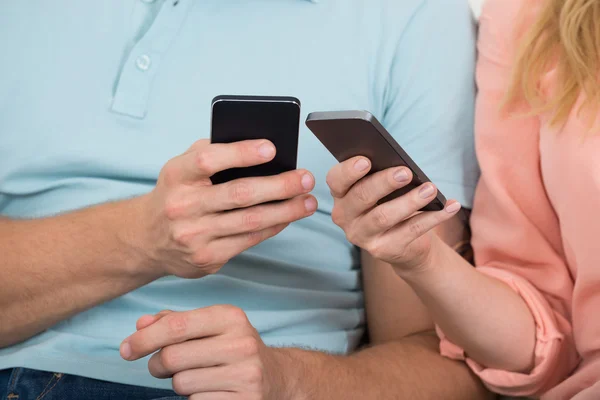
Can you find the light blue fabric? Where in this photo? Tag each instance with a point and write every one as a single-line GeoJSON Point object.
{"type": "Point", "coordinates": [96, 96]}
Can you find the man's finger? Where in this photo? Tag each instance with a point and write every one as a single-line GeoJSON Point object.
{"type": "Point", "coordinates": [147, 320]}
{"type": "Point", "coordinates": [178, 327]}
{"type": "Point", "coordinates": [230, 246]}
{"type": "Point", "coordinates": [216, 396]}
{"type": "Point", "coordinates": [221, 378]}
{"type": "Point", "coordinates": [246, 192]}
{"type": "Point", "coordinates": [205, 161]}
{"type": "Point", "coordinates": [345, 174]}
{"type": "Point", "coordinates": [263, 216]}
{"type": "Point", "coordinates": [201, 353]}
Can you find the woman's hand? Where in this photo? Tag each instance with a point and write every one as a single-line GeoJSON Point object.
{"type": "Point", "coordinates": [394, 232]}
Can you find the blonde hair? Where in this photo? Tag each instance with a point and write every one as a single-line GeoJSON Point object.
{"type": "Point", "coordinates": [564, 39]}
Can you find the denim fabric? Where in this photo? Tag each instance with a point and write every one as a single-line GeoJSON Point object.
{"type": "Point", "coordinates": [29, 384]}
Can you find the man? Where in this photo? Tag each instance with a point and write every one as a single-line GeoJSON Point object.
{"type": "Point", "coordinates": [103, 220]}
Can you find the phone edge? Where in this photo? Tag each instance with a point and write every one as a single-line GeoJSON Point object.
{"type": "Point", "coordinates": [369, 117]}
{"type": "Point", "coordinates": [251, 98]}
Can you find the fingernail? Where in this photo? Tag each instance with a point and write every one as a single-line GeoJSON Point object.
{"type": "Point", "coordinates": [426, 191]}
{"type": "Point", "coordinates": [401, 175]}
{"type": "Point", "coordinates": [266, 150]}
{"type": "Point", "coordinates": [361, 165]}
{"type": "Point", "coordinates": [453, 207]}
{"type": "Point", "coordinates": [307, 182]}
{"type": "Point", "coordinates": [310, 204]}
{"type": "Point", "coordinates": [125, 350]}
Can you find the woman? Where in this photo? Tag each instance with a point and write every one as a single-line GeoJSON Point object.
{"type": "Point", "coordinates": [527, 319]}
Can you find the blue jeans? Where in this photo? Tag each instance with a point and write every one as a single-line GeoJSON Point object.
{"type": "Point", "coordinates": [28, 384]}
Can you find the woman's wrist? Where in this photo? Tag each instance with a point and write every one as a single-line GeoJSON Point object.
{"type": "Point", "coordinates": [427, 266]}
{"type": "Point", "coordinates": [440, 268]}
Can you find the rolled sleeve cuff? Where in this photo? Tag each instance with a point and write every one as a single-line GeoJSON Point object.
{"type": "Point", "coordinates": [554, 357]}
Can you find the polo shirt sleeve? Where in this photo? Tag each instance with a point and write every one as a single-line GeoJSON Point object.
{"type": "Point", "coordinates": [429, 97]}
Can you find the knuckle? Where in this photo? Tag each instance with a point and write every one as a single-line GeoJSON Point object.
{"type": "Point", "coordinates": [331, 182]}
{"type": "Point", "coordinates": [361, 193]}
{"type": "Point", "coordinates": [199, 144]}
{"type": "Point", "coordinates": [173, 208]}
{"type": "Point", "coordinates": [203, 162]}
{"type": "Point", "coordinates": [254, 238]}
{"type": "Point", "coordinates": [416, 202]}
{"type": "Point", "coordinates": [381, 218]}
{"type": "Point", "coordinates": [171, 174]}
{"type": "Point", "coordinates": [374, 248]}
{"type": "Point", "coordinates": [253, 374]}
{"type": "Point", "coordinates": [169, 359]}
{"type": "Point", "coordinates": [236, 315]}
{"type": "Point", "coordinates": [177, 325]}
{"type": "Point", "coordinates": [337, 216]}
{"type": "Point", "coordinates": [251, 221]}
{"type": "Point", "coordinates": [352, 237]}
{"type": "Point", "coordinates": [180, 384]}
{"type": "Point", "coordinates": [241, 194]}
{"type": "Point", "coordinates": [248, 346]}
{"type": "Point", "coordinates": [244, 151]}
{"type": "Point", "coordinates": [337, 181]}
{"type": "Point", "coordinates": [203, 258]}
{"type": "Point", "coordinates": [289, 186]}
{"type": "Point", "coordinates": [180, 236]}
{"type": "Point", "coordinates": [416, 228]}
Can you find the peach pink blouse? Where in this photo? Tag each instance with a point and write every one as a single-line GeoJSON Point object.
{"type": "Point", "coordinates": [536, 221]}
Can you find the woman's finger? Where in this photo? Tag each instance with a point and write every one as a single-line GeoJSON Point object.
{"type": "Point", "coordinates": [345, 174]}
{"type": "Point", "coordinates": [388, 215]}
{"type": "Point", "coordinates": [365, 194]}
{"type": "Point", "coordinates": [415, 227]}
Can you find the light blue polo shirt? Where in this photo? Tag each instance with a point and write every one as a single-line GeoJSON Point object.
{"type": "Point", "coordinates": [95, 96]}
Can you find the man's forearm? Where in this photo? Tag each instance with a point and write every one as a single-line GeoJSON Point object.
{"type": "Point", "coordinates": [410, 368]}
{"type": "Point", "coordinates": [53, 268]}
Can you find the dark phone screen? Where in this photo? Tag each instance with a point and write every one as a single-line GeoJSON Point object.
{"type": "Point", "coordinates": [245, 119]}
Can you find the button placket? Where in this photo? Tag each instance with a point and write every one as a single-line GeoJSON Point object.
{"type": "Point", "coordinates": [143, 62]}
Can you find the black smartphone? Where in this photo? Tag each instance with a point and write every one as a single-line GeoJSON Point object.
{"type": "Point", "coordinates": [237, 118]}
{"type": "Point", "coordinates": [348, 134]}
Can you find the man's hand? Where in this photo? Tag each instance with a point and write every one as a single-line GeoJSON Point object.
{"type": "Point", "coordinates": [191, 228]}
{"type": "Point", "coordinates": [211, 353]}
{"type": "Point", "coordinates": [394, 232]}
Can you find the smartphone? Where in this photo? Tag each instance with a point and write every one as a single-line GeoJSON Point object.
{"type": "Point", "coordinates": [237, 118]}
{"type": "Point", "coordinates": [348, 134]}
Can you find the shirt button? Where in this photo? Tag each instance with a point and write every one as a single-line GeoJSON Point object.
{"type": "Point", "coordinates": [143, 62]}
